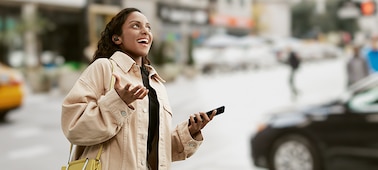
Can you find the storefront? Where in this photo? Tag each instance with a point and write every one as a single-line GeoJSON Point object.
{"type": "Point", "coordinates": [27, 30]}
{"type": "Point", "coordinates": [179, 26]}
{"type": "Point", "coordinates": [238, 26]}
{"type": "Point", "coordinates": [66, 33]}
{"type": "Point", "coordinates": [97, 18]}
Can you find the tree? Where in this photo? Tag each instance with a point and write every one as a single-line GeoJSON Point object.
{"type": "Point", "coordinates": [306, 22]}
{"type": "Point", "coordinates": [190, 61]}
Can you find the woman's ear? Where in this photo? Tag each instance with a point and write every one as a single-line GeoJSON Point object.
{"type": "Point", "coordinates": [116, 39]}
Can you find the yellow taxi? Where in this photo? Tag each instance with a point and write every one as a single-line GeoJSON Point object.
{"type": "Point", "coordinates": [11, 90]}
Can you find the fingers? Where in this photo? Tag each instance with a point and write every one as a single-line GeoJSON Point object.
{"type": "Point", "coordinates": [117, 85]}
{"type": "Point", "coordinates": [128, 93]}
{"type": "Point", "coordinates": [131, 107]}
{"type": "Point", "coordinates": [201, 119]}
{"type": "Point", "coordinates": [127, 87]}
{"type": "Point", "coordinates": [191, 120]}
{"type": "Point", "coordinates": [129, 96]}
{"type": "Point", "coordinates": [198, 121]}
{"type": "Point", "coordinates": [139, 92]}
{"type": "Point", "coordinates": [213, 114]}
{"type": "Point", "coordinates": [205, 117]}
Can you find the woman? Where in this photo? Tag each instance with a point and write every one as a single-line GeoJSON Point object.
{"type": "Point", "coordinates": [132, 121]}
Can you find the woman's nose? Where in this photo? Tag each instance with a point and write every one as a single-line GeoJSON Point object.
{"type": "Point", "coordinates": [144, 30]}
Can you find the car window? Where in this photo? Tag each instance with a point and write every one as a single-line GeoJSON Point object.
{"type": "Point", "coordinates": [365, 101]}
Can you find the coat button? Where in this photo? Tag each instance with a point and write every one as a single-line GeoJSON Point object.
{"type": "Point", "coordinates": [123, 113]}
{"type": "Point", "coordinates": [145, 110]}
{"type": "Point", "coordinates": [192, 144]}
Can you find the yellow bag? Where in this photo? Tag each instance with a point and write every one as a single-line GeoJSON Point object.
{"type": "Point", "coordinates": [85, 163]}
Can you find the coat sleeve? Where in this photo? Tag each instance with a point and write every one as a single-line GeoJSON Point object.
{"type": "Point", "coordinates": [91, 112]}
{"type": "Point", "coordinates": [183, 144]}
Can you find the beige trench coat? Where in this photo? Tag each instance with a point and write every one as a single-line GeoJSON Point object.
{"type": "Point", "coordinates": [93, 113]}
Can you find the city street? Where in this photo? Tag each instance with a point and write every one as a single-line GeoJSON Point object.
{"type": "Point", "coordinates": [32, 137]}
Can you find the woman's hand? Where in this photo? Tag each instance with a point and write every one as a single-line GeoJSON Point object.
{"type": "Point", "coordinates": [202, 120]}
{"type": "Point", "coordinates": [129, 94]}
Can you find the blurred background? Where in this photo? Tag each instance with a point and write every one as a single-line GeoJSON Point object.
{"type": "Point", "coordinates": [211, 52]}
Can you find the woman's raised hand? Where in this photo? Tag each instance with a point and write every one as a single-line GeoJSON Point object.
{"type": "Point", "coordinates": [128, 93]}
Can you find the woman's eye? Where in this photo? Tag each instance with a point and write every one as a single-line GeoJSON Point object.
{"type": "Point", "coordinates": [135, 26]}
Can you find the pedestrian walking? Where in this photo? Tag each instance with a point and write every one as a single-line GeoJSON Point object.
{"type": "Point", "coordinates": [130, 121]}
{"type": "Point", "coordinates": [294, 62]}
{"type": "Point", "coordinates": [357, 67]}
{"type": "Point", "coordinates": [372, 55]}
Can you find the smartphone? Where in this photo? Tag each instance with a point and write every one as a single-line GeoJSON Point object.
{"type": "Point", "coordinates": [219, 111]}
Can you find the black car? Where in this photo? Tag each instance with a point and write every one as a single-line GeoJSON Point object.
{"type": "Point", "coordinates": [340, 134]}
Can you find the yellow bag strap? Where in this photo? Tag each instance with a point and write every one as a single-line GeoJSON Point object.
{"type": "Point", "coordinates": [112, 79]}
{"type": "Point", "coordinates": [97, 157]}
{"type": "Point", "coordinates": [99, 152]}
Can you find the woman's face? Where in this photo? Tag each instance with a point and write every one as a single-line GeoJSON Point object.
{"type": "Point", "coordinates": [136, 38]}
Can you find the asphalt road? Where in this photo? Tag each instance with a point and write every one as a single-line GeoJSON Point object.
{"type": "Point", "coordinates": [32, 137]}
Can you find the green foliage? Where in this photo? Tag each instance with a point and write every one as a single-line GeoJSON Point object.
{"type": "Point", "coordinates": [305, 21]}
{"type": "Point", "coordinates": [159, 53]}
{"type": "Point", "coordinates": [37, 23]}
{"type": "Point", "coordinates": [13, 28]}
{"type": "Point", "coordinates": [155, 54]}
{"type": "Point", "coordinates": [300, 18]}
{"type": "Point", "coordinates": [190, 61]}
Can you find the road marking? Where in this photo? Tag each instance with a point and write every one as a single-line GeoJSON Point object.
{"type": "Point", "coordinates": [27, 132]}
{"type": "Point", "coordinates": [29, 152]}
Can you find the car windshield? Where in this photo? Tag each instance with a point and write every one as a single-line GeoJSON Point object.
{"type": "Point", "coordinates": [365, 100]}
{"type": "Point", "coordinates": [361, 86]}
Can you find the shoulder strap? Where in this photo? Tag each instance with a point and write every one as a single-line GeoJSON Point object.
{"type": "Point", "coordinates": [99, 152]}
{"type": "Point", "coordinates": [97, 157]}
{"type": "Point", "coordinates": [112, 80]}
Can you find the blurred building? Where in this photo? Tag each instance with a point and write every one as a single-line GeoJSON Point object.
{"type": "Point", "coordinates": [71, 28]}
{"type": "Point", "coordinates": [32, 26]}
{"type": "Point", "coordinates": [174, 22]}
{"type": "Point", "coordinates": [179, 22]}
{"type": "Point", "coordinates": [232, 16]}
{"type": "Point", "coordinates": [273, 17]}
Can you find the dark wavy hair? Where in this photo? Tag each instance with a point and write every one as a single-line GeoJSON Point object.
{"type": "Point", "coordinates": [106, 47]}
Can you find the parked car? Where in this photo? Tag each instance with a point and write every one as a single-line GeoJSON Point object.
{"type": "Point", "coordinates": [11, 90]}
{"type": "Point", "coordinates": [334, 135]}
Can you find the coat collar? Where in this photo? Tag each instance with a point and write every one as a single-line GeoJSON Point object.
{"type": "Point", "coordinates": [153, 73]}
{"type": "Point", "coordinates": [125, 62]}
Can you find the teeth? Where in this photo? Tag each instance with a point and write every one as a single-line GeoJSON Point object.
{"type": "Point", "coordinates": [143, 41]}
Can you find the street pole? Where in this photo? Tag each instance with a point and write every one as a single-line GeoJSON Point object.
{"type": "Point", "coordinates": [29, 11]}
{"type": "Point", "coordinates": [376, 16]}
{"type": "Point", "coordinates": [320, 6]}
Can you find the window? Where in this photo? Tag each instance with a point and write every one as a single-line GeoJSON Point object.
{"type": "Point", "coordinates": [365, 101]}
{"type": "Point", "coordinates": [108, 2]}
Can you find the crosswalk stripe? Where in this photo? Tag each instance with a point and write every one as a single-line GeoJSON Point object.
{"type": "Point", "coordinates": [29, 152]}
{"type": "Point", "coordinates": [27, 132]}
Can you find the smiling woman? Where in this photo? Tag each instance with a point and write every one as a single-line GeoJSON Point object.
{"type": "Point", "coordinates": [129, 118]}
